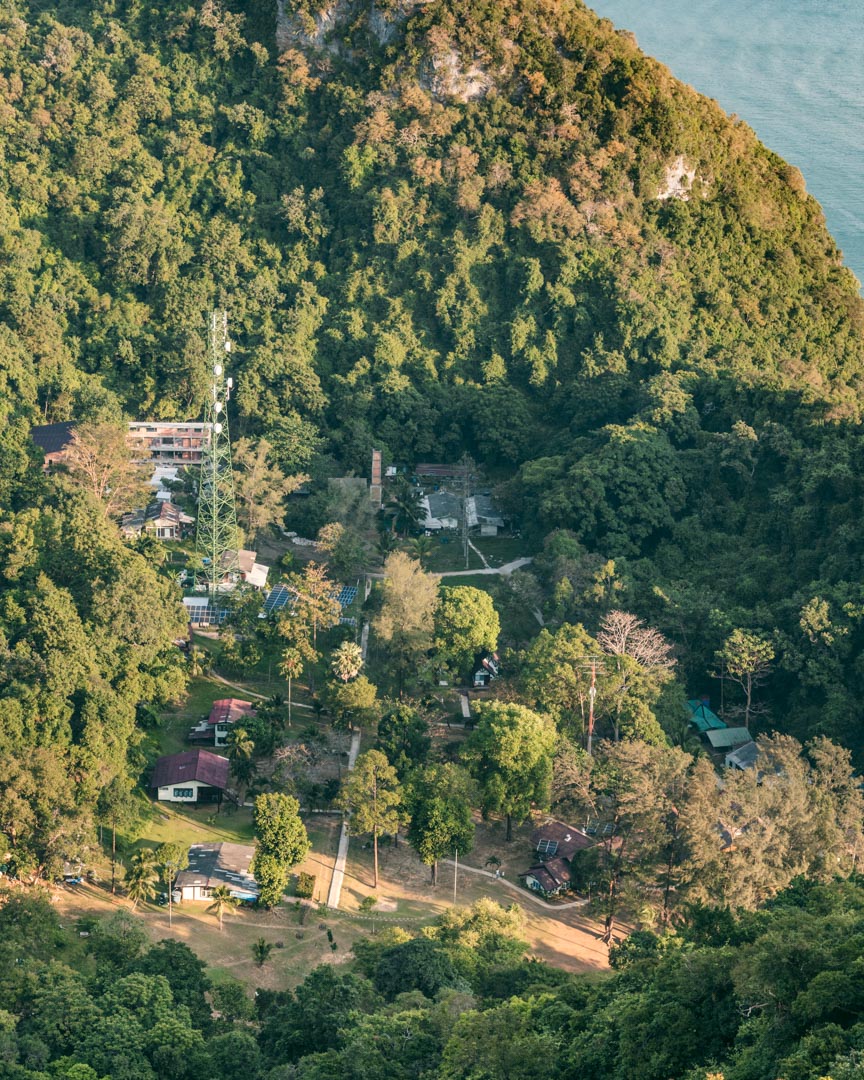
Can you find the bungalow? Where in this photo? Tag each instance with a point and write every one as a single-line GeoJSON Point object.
{"type": "Point", "coordinates": [193, 776]}
{"type": "Point", "coordinates": [482, 514]}
{"type": "Point", "coordinates": [161, 519]}
{"type": "Point", "coordinates": [556, 839]}
{"type": "Point", "coordinates": [215, 865]}
{"type": "Point", "coordinates": [550, 878]}
{"type": "Point", "coordinates": [243, 563]}
{"type": "Point", "coordinates": [223, 715]}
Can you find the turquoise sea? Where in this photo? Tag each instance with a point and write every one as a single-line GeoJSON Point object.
{"type": "Point", "coordinates": [793, 69]}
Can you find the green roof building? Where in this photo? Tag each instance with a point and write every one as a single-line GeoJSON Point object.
{"type": "Point", "coordinates": [702, 718]}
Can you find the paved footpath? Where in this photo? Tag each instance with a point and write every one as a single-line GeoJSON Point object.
{"type": "Point", "coordinates": [335, 894]}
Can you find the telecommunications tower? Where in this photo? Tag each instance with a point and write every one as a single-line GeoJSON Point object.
{"type": "Point", "coordinates": [216, 534]}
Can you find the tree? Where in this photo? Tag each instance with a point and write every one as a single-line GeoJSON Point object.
{"type": "Point", "coordinates": [315, 605]}
{"type": "Point", "coordinates": [241, 751]}
{"type": "Point", "coordinates": [346, 661]}
{"type": "Point", "coordinates": [637, 648]}
{"type": "Point", "coordinates": [403, 738]}
{"type": "Point", "coordinates": [172, 858]}
{"type": "Point", "coordinates": [117, 806]}
{"type": "Point", "coordinates": [261, 950]}
{"type": "Point", "coordinates": [291, 668]}
{"type": "Point", "coordinates": [510, 754]}
{"type": "Point", "coordinates": [440, 799]}
{"type": "Point", "coordinates": [405, 622]}
{"type": "Point", "coordinates": [282, 842]}
{"type": "Point", "coordinates": [745, 659]}
{"type": "Point", "coordinates": [371, 798]}
{"type": "Point", "coordinates": [261, 485]}
{"type": "Point", "coordinates": [350, 701]}
{"type": "Point", "coordinates": [142, 876]}
{"type": "Point", "coordinates": [100, 461]}
{"type": "Point", "coordinates": [222, 901]}
{"type": "Point", "coordinates": [199, 661]}
{"type": "Point", "coordinates": [466, 623]}
{"type": "Point", "coordinates": [421, 548]}
{"type": "Point", "coordinates": [405, 506]}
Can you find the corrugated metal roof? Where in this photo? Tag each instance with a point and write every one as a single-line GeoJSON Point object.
{"type": "Point", "coordinates": [702, 718]}
{"type": "Point", "coordinates": [726, 737]}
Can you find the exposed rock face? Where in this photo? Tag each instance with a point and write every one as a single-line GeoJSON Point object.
{"type": "Point", "coordinates": [300, 31]}
{"type": "Point", "coordinates": [448, 78]}
{"type": "Point", "coordinates": [678, 181]}
{"type": "Point", "coordinates": [296, 30]}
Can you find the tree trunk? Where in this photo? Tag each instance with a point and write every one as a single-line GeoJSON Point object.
{"type": "Point", "coordinates": [396, 840]}
{"type": "Point", "coordinates": [435, 872]}
{"type": "Point", "coordinates": [289, 702]}
{"type": "Point", "coordinates": [113, 855]}
{"type": "Point", "coordinates": [509, 827]}
{"type": "Point", "coordinates": [375, 857]}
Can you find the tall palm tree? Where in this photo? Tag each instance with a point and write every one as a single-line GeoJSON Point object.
{"type": "Point", "coordinates": [222, 901]}
{"type": "Point", "coordinates": [142, 877]}
{"type": "Point", "coordinates": [241, 749]}
{"type": "Point", "coordinates": [405, 505]}
{"type": "Point", "coordinates": [347, 660]}
{"type": "Point", "coordinates": [291, 668]}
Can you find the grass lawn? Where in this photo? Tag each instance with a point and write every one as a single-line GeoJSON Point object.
{"type": "Point", "coordinates": [447, 554]}
{"type": "Point", "coordinates": [502, 549]}
{"type": "Point", "coordinates": [166, 823]}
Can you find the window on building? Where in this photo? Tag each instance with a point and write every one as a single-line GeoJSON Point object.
{"type": "Point", "coordinates": [184, 793]}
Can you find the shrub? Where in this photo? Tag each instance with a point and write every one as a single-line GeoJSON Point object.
{"type": "Point", "coordinates": [305, 887]}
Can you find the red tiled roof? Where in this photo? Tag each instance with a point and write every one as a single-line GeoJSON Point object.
{"type": "Point", "coordinates": [189, 765]}
{"type": "Point", "coordinates": [228, 710]}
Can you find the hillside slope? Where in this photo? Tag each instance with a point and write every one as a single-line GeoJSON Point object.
{"type": "Point", "coordinates": [449, 226]}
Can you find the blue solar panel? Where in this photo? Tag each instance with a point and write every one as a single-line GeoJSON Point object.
{"type": "Point", "coordinates": [347, 595]}
{"type": "Point", "coordinates": [278, 598]}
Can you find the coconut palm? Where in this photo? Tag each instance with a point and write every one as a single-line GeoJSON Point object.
{"type": "Point", "coordinates": [291, 668]}
{"type": "Point", "coordinates": [142, 877]}
{"type": "Point", "coordinates": [222, 901]}
{"type": "Point", "coordinates": [261, 950]}
{"type": "Point", "coordinates": [241, 749]}
{"type": "Point", "coordinates": [421, 548]}
{"type": "Point", "coordinates": [405, 506]}
{"type": "Point", "coordinates": [198, 661]}
{"type": "Point", "coordinates": [347, 660]}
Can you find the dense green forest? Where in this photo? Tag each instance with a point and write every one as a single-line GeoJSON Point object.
{"type": "Point", "coordinates": [441, 228]}
{"type": "Point", "coordinates": [775, 994]}
{"type": "Point", "coordinates": [437, 229]}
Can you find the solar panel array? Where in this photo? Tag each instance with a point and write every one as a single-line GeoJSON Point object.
{"type": "Point", "coordinates": [277, 599]}
{"type": "Point", "coordinates": [547, 847]}
{"type": "Point", "coordinates": [347, 595]}
{"type": "Point", "coordinates": [280, 596]}
{"type": "Point", "coordinates": [200, 613]}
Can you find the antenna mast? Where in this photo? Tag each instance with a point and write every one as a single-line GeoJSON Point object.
{"type": "Point", "coordinates": [216, 533]}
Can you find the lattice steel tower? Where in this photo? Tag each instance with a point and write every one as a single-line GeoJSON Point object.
{"type": "Point", "coordinates": [216, 533]}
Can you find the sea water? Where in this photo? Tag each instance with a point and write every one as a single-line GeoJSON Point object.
{"type": "Point", "coordinates": [792, 69]}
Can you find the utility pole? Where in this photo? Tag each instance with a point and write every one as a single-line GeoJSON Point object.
{"type": "Point", "coordinates": [216, 531]}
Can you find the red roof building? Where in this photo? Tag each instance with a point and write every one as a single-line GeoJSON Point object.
{"type": "Point", "coordinates": [229, 710]}
{"type": "Point", "coordinates": [190, 777]}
